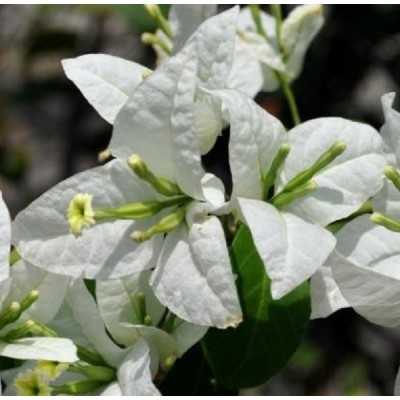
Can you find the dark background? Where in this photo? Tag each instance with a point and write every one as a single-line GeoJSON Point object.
{"type": "Point", "coordinates": [48, 132]}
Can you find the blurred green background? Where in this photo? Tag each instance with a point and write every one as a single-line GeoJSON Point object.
{"type": "Point", "coordinates": [48, 132]}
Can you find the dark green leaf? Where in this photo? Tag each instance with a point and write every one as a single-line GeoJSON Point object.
{"type": "Point", "coordinates": [271, 331]}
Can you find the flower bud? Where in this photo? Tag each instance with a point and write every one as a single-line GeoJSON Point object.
{"type": "Point", "coordinates": [387, 222]}
{"type": "Point", "coordinates": [326, 158]}
{"type": "Point", "coordinates": [165, 225]}
{"type": "Point", "coordinates": [24, 330]}
{"type": "Point", "coordinates": [285, 198]}
{"type": "Point", "coordinates": [27, 301]}
{"type": "Point", "coordinates": [393, 175]}
{"type": "Point", "coordinates": [161, 185]}
{"type": "Point", "coordinates": [78, 387]}
{"type": "Point", "coordinates": [10, 314]}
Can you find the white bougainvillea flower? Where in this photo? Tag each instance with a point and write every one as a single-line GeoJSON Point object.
{"type": "Point", "coordinates": [42, 234]}
{"type": "Point", "coordinates": [284, 241]}
{"type": "Point", "coordinates": [47, 292]}
{"type": "Point", "coordinates": [362, 272]}
{"type": "Point", "coordinates": [127, 304]}
{"type": "Point", "coordinates": [146, 347]}
{"type": "Point", "coordinates": [108, 81]}
{"type": "Point", "coordinates": [298, 31]}
{"type": "Point", "coordinates": [348, 181]}
{"type": "Point", "coordinates": [5, 240]}
{"type": "Point", "coordinates": [364, 268]}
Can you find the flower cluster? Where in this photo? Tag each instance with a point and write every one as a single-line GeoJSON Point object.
{"type": "Point", "coordinates": [117, 271]}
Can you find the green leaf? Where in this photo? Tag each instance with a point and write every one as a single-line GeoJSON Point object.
{"type": "Point", "coordinates": [264, 342]}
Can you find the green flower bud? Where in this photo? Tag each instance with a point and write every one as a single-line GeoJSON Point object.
{"type": "Point", "coordinates": [393, 175]}
{"type": "Point", "coordinates": [10, 314]}
{"type": "Point", "coordinates": [165, 225]}
{"type": "Point", "coordinates": [285, 198]}
{"type": "Point", "coordinates": [155, 12]}
{"type": "Point", "coordinates": [154, 40]}
{"type": "Point", "coordinates": [330, 155]}
{"type": "Point", "coordinates": [168, 363]}
{"type": "Point", "coordinates": [161, 185]}
{"type": "Point", "coordinates": [277, 163]}
{"type": "Point", "coordinates": [148, 321]}
{"type": "Point", "coordinates": [90, 356]}
{"type": "Point", "coordinates": [78, 387]}
{"type": "Point", "coordinates": [387, 222]}
{"type": "Point", "coordinates": [27, 301]}
{"type": "Point", "coordinates": [94, 372]}
{"type": "Point", "coordinates": [22, 331]}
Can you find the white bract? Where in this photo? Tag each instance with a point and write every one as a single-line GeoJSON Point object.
{"type": "Point", "coordinates": [163, 107]}
{"type": "Point", "coordinates": [362, 272]}
{"type": "Point", "coordinates": [147, 349]}
{"type": "Point", "coordinates": [284, 241]}
{"type": "Point", "coordinates": [24, 280]}
{"type": "Point", "coordinates": [285, 55]}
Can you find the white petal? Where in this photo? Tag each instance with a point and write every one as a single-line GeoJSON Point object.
{"type": "Point", "coordinates": [148, 121]}
{"type": "Point", "coordinates": [247, 73]}
{"type": "Point", "coordinates": [86, 325]}
{"type": "Point", "coordinates": [215, 45]}
{"type": "Point", "coordinates": [185, 18]}
{"type": "Point", "coordinates": [41, 348]}
{"type": "Point", "coordinates": [255, 137]}
{"type": "Point", "coordinates": [390, 129]}
{"type": "Point", "coordinates": [286, 244]}
{"type": "Point", "coordinates": [115, 300]}
{"type": "Point", "coordinates": [326, 297]}
{"type": "Point", "coordinates": [41, 231]}
{"type": "Point", "coordinates": [52, 289]}
{"type": "Point", "coordinates": [104, 80]}
{"type": "Point", "coordinates": [366, 270]}
{"type": "Point", "coordinates": [298, 31]}
{"type": "Point", "coordinates": [194, 277]}
{"type": "Point", "coordinates": [5, 239]}
{"type": "Point", "coordinates": [134, 374]}
{"type": "Point", "coordinates": [349, 181]}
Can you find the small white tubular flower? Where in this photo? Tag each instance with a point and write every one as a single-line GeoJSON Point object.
{"type": "Point", "coordinates": [347, 182]}
{"type": "Point", "coordinates": [5, 241]}
{"type": "Point", "coordinates": [285, 242]}
{"type": "Point", "coordinates": [42, 234]}
{"type": "Point", "coordinates": [105, 81]}
{"type": "Point", "coordinates": [80, 213]}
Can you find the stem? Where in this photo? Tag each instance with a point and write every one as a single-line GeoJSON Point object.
{"type": "Point", "coordinates": [291, 100]}
{"type": "Point", "coordinates": [283, 82]}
